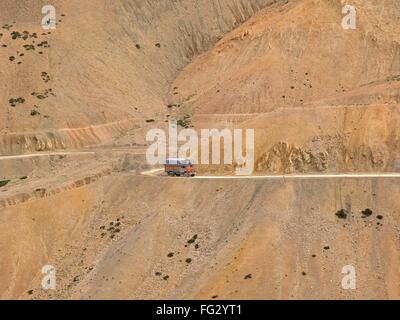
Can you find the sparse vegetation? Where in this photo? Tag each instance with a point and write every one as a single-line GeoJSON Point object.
{"type": "Point", "coordinates": [29, 47]}
{"type": "Point", "coordinates": [192, 239]}
{"type": "Point", "coordinates": [366, 213]}
{"type": "Point", "coordinates": [40, 190]}
{"type": "Point", "coordinates": [14, 101]}
{"type": "Point", "coordinates": [15, 35]}
{"type": "Point", "coordinates": [183, 123]}
{"type": "Point", "coordinates": [3, 183]}
{"type": "Point", "coordinates": [113, 229]}
{"type": "Point", "coordinates": [231, 62]}
{"type": "Point", "coordinates": [342, 214]}
{"type": "Point", "coordinates": [43, 44]}
{"type": "Point", "coordinates": [7, 26]}
{"type": "Point", "coordinates": [173, 105]}
{"type": "Point", "coordinates": [45, 94]}
{"type": "Point", "coordinates": [45, 77]}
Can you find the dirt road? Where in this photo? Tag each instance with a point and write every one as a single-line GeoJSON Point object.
{"type": "Point", "coordinates": [157, 172]}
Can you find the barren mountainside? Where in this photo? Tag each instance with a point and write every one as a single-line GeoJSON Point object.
{"type": "Point", "coordinates": [98, 67]}
{"type": "Point", "coordinates": [77, 193]}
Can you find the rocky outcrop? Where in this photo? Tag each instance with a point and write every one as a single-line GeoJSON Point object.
{"type": "Point", "coordinates": [287, 158]}
{"type": "Point", "coordinates": [71, 138]}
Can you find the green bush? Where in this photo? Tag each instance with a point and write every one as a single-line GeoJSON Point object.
{"type": "Point", "coordinates": [4, 182]}
{"type": "Point", "coordinates": [342, 214]}
{"type": "Point", "coordinates": [366, 213]}
{"type": "Point", "coordinates": [183, 123]}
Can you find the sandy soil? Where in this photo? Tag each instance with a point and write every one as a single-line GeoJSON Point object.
{"type": "Point", "coordinates": [78, 194]}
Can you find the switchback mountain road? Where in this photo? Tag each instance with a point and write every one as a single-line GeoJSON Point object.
{"type": "Point", "coordinates": [33, 155]}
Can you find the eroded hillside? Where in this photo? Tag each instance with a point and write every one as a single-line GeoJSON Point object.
{"type": "Point", "coordinates": [320, 98]}
{"type": "Point", "coordinates": [205, 239]}
{"type": "Point", "coordinates": [102, 71]}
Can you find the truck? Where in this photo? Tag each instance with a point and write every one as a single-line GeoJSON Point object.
{"type": "Point", "coordinates": [179, 167]}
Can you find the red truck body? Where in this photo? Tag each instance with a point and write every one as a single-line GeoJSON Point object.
{"type": "Point", "coordinates": [179, 167]}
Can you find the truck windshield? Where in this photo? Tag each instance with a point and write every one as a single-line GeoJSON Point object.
{"type": "Point", "coordinates": [184, 162]}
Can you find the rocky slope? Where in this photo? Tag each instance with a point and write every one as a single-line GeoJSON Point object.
{"type": "Point", "coordinates": [320, 98]}
{"type": "Point", "coordinates": [98, 67]}
{"type": "Point", "coordinates": [205, 239]}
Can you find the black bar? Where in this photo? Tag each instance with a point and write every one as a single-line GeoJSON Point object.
{"type": "Point", "coordinates": [235, 309]}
